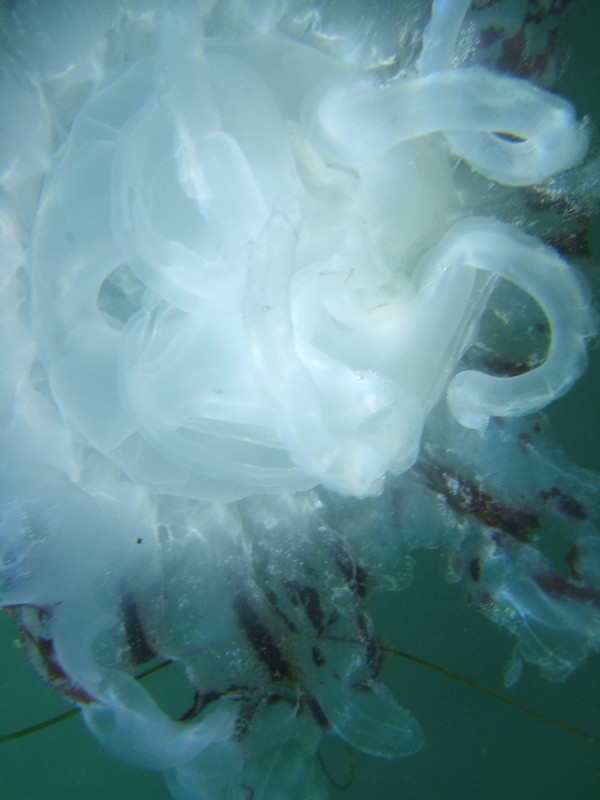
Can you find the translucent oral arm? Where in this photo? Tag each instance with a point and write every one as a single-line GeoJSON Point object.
{"type": "Point", "coordinates": [439, 39]}
{"type": "Point", "coordinates": [494, 247]}
{"type": "Point", "coordinates": [539, 132]}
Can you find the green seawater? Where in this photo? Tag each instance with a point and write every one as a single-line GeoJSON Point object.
{"type": "Point", "coordinates": [476, 748]}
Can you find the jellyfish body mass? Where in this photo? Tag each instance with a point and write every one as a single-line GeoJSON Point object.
{"type": "Point", "coordinates": [280, 305]}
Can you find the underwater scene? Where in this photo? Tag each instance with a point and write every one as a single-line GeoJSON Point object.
{"type": "Point", "coordinates": [299, 426]}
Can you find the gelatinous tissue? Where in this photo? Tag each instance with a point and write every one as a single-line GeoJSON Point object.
{"type": "Point", "coordinates": [284, 289]}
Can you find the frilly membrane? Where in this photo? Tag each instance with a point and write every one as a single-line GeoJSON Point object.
{"type": "Point", "coordinates": [245, 273]}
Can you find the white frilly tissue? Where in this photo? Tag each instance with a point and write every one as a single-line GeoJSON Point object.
{"type": "Point", "coordinates": [243, 266]}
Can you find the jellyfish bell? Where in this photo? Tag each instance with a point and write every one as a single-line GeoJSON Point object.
{"type": "Point", "coordinates": [246, 268]}
{"type": "Point", "coordinates": [210, 386]}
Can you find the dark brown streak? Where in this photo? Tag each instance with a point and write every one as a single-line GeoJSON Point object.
{"type": "Point", "coordinates": [315, 709]}
{"type": "Point", "coordinates": [55, 675]}
{"type": "Point", "coordinates": [261, 640]}
{"type": "Point", "coordinates": [465, 497]}
{"type": "Point", "coordinates": [373, 655]}
{"type": "Point", "coordinates": [554, 586]}
{"type": "Point", "coordinates": [310, 601]}
{"type": "Point", "coordinates": [356, 576]}
{"type": "Point", "coordinates": [568, 505]}
{"type": "Point", "coordinates": [272, 600]}
{"type": "Point", "coordinates": [201, 701]}
{"type": "Point", "coordinates": [139, 645]}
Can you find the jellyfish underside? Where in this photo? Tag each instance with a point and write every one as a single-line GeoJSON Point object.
{"type": "Point", "coordinates": [234, 397]}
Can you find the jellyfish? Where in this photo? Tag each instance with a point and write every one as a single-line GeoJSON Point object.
{"type": "Point", "coordinates": [283, 303]}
